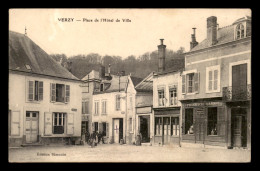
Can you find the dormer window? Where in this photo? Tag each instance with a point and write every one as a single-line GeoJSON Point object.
{"type": "Point", "coordinates": [101, 87]}
{"type": "Point", "coordinates": [240, 31]}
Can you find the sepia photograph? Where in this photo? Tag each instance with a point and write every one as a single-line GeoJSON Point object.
{"type": "Point", "coordinates": [132, 85]}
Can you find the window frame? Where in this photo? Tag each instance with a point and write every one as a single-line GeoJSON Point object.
{"type": "Point", "coordinates": [238, 29]}
{"type": "Point", "coordinates": [63, 122]}
{"type": "Point", "coordinates": [185, 122]}
{"type": "Point", "coordinates": [216, 117]}
{"type": "Point", "coordinates": [171, 89]}
{"type": "Point", "coordinates": [66, 92]}
{"type": "Point", "coordinates": [161, 90]}
{"type": "Point", "coordinates": [104, 101]}
{"type": "Point", "coordinates": [40, 95]}
{"type": "Point", "coordinates": [96, 107]}
{"type": "Point", "coordinates": [213, 69]}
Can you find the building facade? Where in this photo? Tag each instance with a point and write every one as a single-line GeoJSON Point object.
{"type": "Point", "coordinates": [216, 86]}
{"type": "Point", "coordinates": [44, 98]}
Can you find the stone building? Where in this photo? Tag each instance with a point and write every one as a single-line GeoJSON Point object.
{"type": "Point", "coordinates": [44, 98]}
{"type": "Point", "coordinates": [216, 86]}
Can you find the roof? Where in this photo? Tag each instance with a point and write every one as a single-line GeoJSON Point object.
{"type": "Point", "coordinates": [26, 56]}
{"type": "Point", "coordinates": [224, 35]}
{"type": "Point", "coordinates": [146, 84]}
{"type": "Point", "coordinates": [136, 80]}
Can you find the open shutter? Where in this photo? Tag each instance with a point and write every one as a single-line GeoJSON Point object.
{"type": "Point", "coordinates": [15, 123]}
{"type": "Point", "coordinates": [53, 92]}
{"type": "Point", "coordinates": [40, 90]}
{"type": "Point", "coordinates": [67, 94]}
{"type": "Point", "coordinates": [93, 126]}
{"type": "Point", "coordinates": [221, 121]}
{"type": "Point", "coordinates": [70, 124]}
{"type": "Point", "coordinates": [196, 82]}
{"type": "Point", "coordinates": [30, 90]}
{"type": "Point", "coordinates": [47, 123]}
{"type": "Point", "coordinates": [100, 127]}
{"type": "Point", "coordinates": [107, 129]}
{"type": "Point", "coordinates": [183, 84]}
{"type": "Point", "coordinates": [215, 79]}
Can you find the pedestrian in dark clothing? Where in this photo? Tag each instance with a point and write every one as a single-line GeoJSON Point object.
{"type": "Point", "coordinates": [87, 136]}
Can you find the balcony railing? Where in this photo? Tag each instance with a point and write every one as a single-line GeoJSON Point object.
{"type": "Point", "coordinates": [237, 93]}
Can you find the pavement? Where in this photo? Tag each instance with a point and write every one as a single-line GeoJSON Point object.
{"type": "Point", "coordinates": [126, 153]}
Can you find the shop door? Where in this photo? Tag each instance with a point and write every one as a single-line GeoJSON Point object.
{"type": "Point", "coordinates": [31, 128]}
{"type": "Point", "coordinates": [144, 128]}
{"type": "Point", "coordinates": [200, 123]}
{"type": "Point", "coordinates": [166, 131]}
{"type": "Point", "coordinates": [239, 81]}
{"type": "Point", "coordinates": [239, 131]}
{"type": "Point", "coordinates": [118, 130]}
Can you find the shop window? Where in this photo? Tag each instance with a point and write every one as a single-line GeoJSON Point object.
{"type": "Point", "coordinates": [189, 126]}
{"type": "Point", "coordinates": [212, 121]}
{"type": "Point", "coordinates": [158, 126]}
{"type": "Point", "coordinates": [175, 127]}
{"type": "Point", "coordinates": [58, 123]}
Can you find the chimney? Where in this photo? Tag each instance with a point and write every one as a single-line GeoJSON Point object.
{"type": "Point", "coordinates": [161, 56]}
{"type": "Point", "coordinates": [101, 71]}
{"type": "Point", "coordinates": [122, 73]}
{"type": "Point", "coordinates": [193, 42]}
{"type": "Point", "coordinates": [212, 30]}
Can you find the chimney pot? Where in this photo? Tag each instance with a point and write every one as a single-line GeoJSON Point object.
{"type": "Point", "coordinates": [161, 41]}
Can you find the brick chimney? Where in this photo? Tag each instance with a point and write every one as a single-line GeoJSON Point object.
{"type": "Point", "coordinates": [212, 30]}
{"type": "Point", "coordinates": [193, 42]}
{"type": "Point", "coordinates": [161, 56]}
{"type": "Point", "coordinates": [101, 71]}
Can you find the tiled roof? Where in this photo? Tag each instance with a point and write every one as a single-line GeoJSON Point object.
{"type": "Point", "coordinates": [24, 52]}
{"type": "Point", "coordinates": [225, 34]}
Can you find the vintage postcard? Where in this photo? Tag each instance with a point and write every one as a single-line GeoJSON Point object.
{"type": "Point", "coordinates": [129, 85]}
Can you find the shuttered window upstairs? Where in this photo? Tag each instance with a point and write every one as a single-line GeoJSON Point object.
{"type": "Point", "coordinates": [34, 91]}
{"type": "Point", "coordinates": [59, 93]}
{"type": "Point", "coordinates": [213, 79]}
{"type": "Point", "coordinates": [190, 83]}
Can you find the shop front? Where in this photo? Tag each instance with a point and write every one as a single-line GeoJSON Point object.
{"type": "Point", "coordinates": [167, 126]}
{"type": "Point", "coordinates": [144, 118]}
{"type": "Point", "coordinates": [205, 122]}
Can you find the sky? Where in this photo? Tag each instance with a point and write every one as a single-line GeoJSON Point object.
{"type": "Point", "coordinates": [141, 35]}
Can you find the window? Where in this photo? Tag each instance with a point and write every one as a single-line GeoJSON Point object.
{"type": "Point", "coordinates": [130, 125]}
{"type": "Point", "coordinates": [158, 126]}
{"type": "Point", "coordinates": [60, 93]}
{"type": "Point", "coordinates": [189, 127]}
{"type": "Point", "coordinates": [212, 121]}
{"type": "Point", "coordinates": [95, 126]}
{"type": "Point", "coordinates": [117, 102]}
{"type": "Point", "coordinates": [96, 87]}
{"type": "Point", "coordinates": [190, 83]}
{"type": "Point", "coordinates": [175, 127]}
{"type": "Point", "coordinates": [101, 87]}
{"type": "Point", "coordinates": [35, 91]}
{"type": "Point", "coordinates": [58, 123]}
{"type": "Point", "coordinates": [104, 131]}
{"type": "Point", "coordinates": [240, 31]}
{"type": "Point", "coordinates": [213, 79]}
{"type": "Point", "coordinates": [85, 107]}
{"type": "Point", "coordinates": [173, 95]}
{"type": "Point", "coordinates": [96, 107]}
{"type": "Point", "coordinates": [104, 107]}
{"type": "Point", "coordinates": [161, 97]}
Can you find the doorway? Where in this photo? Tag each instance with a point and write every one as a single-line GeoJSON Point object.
{"type": "Point", "coordinates": [31, 127]}
{"type": "Point", "coordinates": [145, 128]}
{"type": "Point", "coordinates": [118, 130]}
{"type": "Point", "coordinates": [238, 127]}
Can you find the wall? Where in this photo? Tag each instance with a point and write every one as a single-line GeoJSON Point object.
{"type": "Point", "coordinates": [17, 102]}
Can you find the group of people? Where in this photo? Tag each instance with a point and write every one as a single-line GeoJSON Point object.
{"type": "Point", "coordinates": [94, 138]}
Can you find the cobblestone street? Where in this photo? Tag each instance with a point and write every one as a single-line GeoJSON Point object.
{"type": "Point", "coordinates": [126, 153]}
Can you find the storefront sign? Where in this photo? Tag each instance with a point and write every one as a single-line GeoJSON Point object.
{"type": "Point", "coordinates": [144, 110]}
{"type": "Point", "coordinates": [203, 104]}
{"type": "Point", "coordinates": [85, 117]}
{"type": "Point", "coordinates": [73, 109]}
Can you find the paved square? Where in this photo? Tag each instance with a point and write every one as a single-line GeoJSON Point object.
{"type": "Point", "coordinates": [126, 153]}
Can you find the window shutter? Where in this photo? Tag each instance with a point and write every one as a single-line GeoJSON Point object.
{"type": "Point", "coordinates": [107, 131]}
{"type": "Point", "coordinates": [87, 107]}
{"type": "Point", "coordinates": [53, 92]}
{"type": "Point", "coordinates": [67, 94]}
{"type": "Point", "coordinates": [215, 79]}
{"type": "Point", "coordinates": [15, 123]}
{"type": "Point", "coordinates": [210, 80]}
{"type": "Point", "coordinates": [100, 127]}
{"type": "Point", "coordinates": [93, 127]}
{"type": "Point", "coordinates": [40, 90]}
{"type": "Point", "coordinates": [221, 121]}
{"type": "Point", "coordinates": [183, 84]}
{"type": "Point", "coordinates": [30, 90]}
{"type": "Point", "coordinates": [196, 82]}
{"type": "Point", "coordinates": [70, 124]}
{"type": "Point", "coordinates": [48, 123]}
